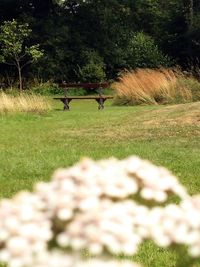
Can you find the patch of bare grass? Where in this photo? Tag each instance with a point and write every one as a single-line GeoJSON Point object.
{"type": "Point", "coordinates": [160, 86]}
{"type": "Point", "coordinates": [23, 103]}
{"type": "Point", "coordinates": [182, 115]}
{"type": "Point", "coordinates": [160, 122]}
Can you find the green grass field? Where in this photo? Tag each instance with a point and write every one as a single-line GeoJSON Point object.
{"type": "Point", "coordinates": [33, 146]}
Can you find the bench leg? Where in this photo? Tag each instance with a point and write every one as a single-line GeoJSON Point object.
{"type": "Point", "coordinates": [100, 101]}
{"type": "Point", "coordinates": [66, 102]}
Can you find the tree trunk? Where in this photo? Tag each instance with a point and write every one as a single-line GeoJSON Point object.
{"type": "Point", "coordinates": [20, 77]}
{"type": "Point", "coordinates": [189, 19]}
{"type": "Point", "coordinates": [189, 13]}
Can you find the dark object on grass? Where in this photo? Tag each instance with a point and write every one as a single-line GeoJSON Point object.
{"type": "Point", "coordinates": [98, 87]}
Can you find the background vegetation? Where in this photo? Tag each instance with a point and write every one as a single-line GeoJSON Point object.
{"type": "Point", "coordinates": [94, 40]}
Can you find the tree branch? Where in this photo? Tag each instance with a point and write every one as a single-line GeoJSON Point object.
{"type": "Point", "coordinates": [10, 64]}
{"type": "Point", "coordinates": [27, 63]}
{"type": "Point", "coordinates": [20, 58]}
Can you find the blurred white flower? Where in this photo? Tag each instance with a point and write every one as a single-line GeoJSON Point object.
{"type": "Point", "coordinates": [94, 206]}
{"type": "Point", "coordinates": [59, 259]}
{"type": "Point", "coordinates": [24, 229]}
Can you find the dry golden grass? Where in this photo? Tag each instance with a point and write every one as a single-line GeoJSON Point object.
{"type": "Point", "coordinates": [148, 86]}
{"type": "Point", "coordinates": [23, 103]}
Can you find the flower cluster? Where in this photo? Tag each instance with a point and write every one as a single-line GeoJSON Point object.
{"type": "Point", "coordinates": [177, 224]}
{"type": "Point", "coordinates": [24, 229]}
{"type": "Point", "coordinates": [113, 226]}
{"type": "Point", "coordinates": [60, 259]}
{"type": "Point", "coordinates": [91, 195]}
{"type": "Point", "coordinates": [86, 183]}
{"type": "Point", "coordinates": [94, 206]}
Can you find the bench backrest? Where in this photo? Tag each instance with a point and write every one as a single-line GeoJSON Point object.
{"type": "Point", "coordinates": [98, 87]}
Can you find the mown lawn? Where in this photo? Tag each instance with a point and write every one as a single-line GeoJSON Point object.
{"type": "Point", "coordinates": [32, 146]}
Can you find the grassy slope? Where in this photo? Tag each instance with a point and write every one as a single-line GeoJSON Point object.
{"type": "Point", "coordinates": [33, 146]}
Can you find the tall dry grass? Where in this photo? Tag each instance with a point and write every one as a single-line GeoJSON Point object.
{"type": "Point", "coordinates": [160, 86]}
{"type": "Point", "coordinates": [23, 103]}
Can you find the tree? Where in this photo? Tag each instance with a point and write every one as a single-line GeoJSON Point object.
{"type": "Point", "coordinates": [65, 29]}
{"type": "Point", "coordinates": [13, 49]}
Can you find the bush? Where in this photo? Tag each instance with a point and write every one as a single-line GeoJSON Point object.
{"type": "Point", "coordinates": [144, 53]}
{"type": "Point", "coordinates": [92, 72]}
{"type": "Point", "coordinates": [93, 68]}
{"type": "Point", "coordinates": [49, 88]}
{"type": "Point", "coordinates": [161, 86]}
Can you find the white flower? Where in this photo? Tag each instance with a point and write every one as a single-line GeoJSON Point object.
{"type": "Point", "coordinates": [90, 206]}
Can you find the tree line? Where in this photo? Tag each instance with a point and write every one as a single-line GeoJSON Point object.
{"type": "Point", "coordinates": [93, 40]}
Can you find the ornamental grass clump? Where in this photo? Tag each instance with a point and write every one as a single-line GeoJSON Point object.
{"type": "Point", "coordinates": [155, 86]}
{"type": "Point", "coordinates": [23, 103]}
{"type": "Point", "coordinates": [98, 207]}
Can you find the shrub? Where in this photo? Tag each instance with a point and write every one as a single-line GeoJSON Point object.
{"type": "Point", "coordinates": [92, 72]}
{"type": "Point", "coordinates": [160, 86]}
{"type": "Point", "coordinates": [49, 88]}
{"type": "Point", "coordinates": [23, 103]}
{"type": "Point", "coordinates": [144, 53]}
{"type": "Point", "coordinates": [93, 68]}
{"type": "Point", "coordinates": [46, 88]}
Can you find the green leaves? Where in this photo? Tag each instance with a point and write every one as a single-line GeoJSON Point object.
{"type": "Point", "coordinates": [2, 59]}
{"type": "Point", "coordinates": [13, 36]}
{"type": "Point", "coordinates": [93, 69]}
{"type": "Point", "coordinates": [35, 52]}
{"type": "Point", "coordinates": [144, 53]}
{"type": "Point", "coordinates": [13, 48]}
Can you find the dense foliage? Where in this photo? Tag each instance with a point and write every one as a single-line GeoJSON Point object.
{"type": "Point", "coordinates": [95, 39]}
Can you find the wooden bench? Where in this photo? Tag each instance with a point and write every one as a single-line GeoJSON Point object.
{"type": "Point", "coordinates": [98, 87]}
